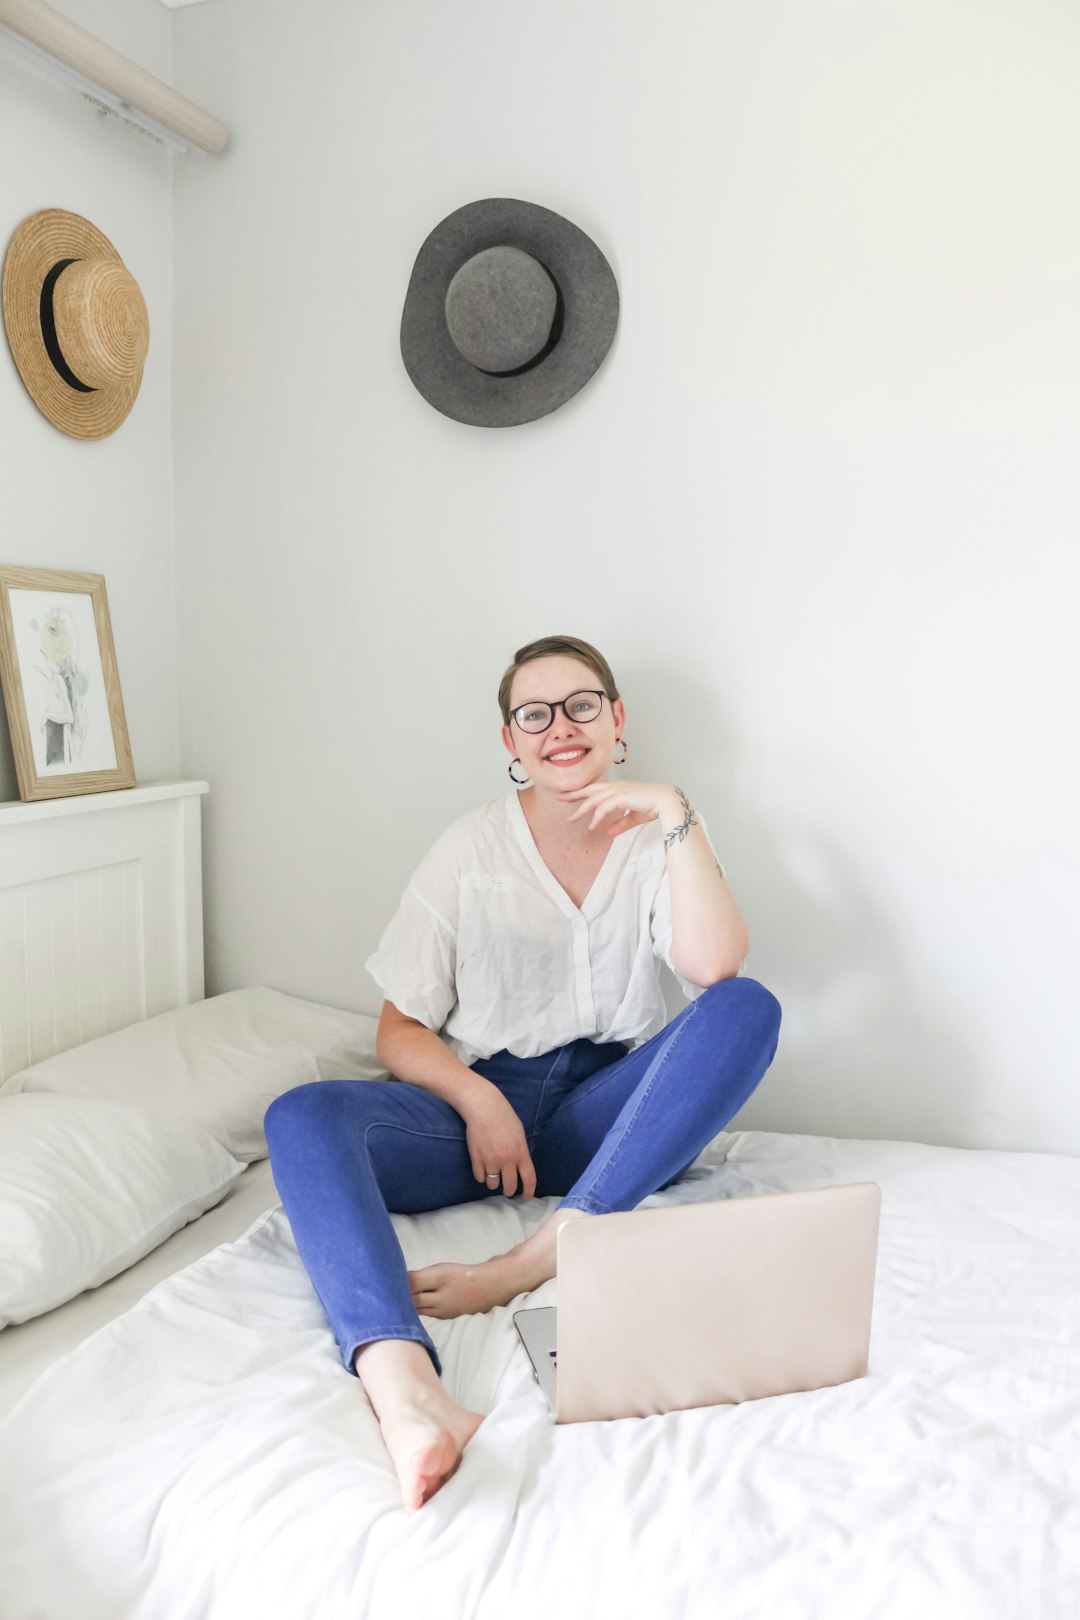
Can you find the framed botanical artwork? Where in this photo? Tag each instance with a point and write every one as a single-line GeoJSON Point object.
{"type": "Point", "coordinates": [61, 685]}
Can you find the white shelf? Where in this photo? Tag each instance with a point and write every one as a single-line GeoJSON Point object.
{"type": "Point", "coordinates": [15, 812]}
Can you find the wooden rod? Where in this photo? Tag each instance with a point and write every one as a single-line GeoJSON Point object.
{"type": "Point", "coordinates": [50, 31]}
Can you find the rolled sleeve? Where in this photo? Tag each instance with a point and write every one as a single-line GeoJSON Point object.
{"type": "Point", "coordinates": [413, 964]}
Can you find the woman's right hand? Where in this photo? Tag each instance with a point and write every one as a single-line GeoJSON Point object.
{"type": "Point", "coordinates": [496, 1139]}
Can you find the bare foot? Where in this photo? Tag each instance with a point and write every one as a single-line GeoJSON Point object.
{"type": "Point", "coordinates": [449, 1289]}
{"type": "Point", "coordinates": [425, 1442]}
{"type": "Point", "coordinates": [422, 1429]}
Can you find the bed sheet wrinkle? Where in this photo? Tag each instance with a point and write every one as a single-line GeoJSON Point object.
{"type": "Point", "coordinates": [247, 1475]}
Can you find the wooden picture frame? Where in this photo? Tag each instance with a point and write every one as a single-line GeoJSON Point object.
{"type": "Point", "coordinates": [61, 684]}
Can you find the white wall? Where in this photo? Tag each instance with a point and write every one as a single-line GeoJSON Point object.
{"type": "Point", "coordinates": [819, 507]}
{"type": "Point", "coordinates": [104, 507]}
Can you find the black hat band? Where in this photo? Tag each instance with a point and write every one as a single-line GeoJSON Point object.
{"type": "Point", "coordinates": [48, 328]}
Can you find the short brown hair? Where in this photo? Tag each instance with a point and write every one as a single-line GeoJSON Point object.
{"type": "Point", "coordinates": [555, 647]}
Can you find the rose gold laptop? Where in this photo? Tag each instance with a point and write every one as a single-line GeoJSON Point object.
{"type": "Point", "coordinates": [704, 1304]}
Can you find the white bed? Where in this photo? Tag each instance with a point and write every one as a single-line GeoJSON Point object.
{"type": "Point", "coordinates": [28, 1348]}
{"type": "Point", "coordinates": [100, 925]}
{"type": "Point", "coordinates": [203, 1455]}
{"type": "Point", "coordinates": [101, 931]}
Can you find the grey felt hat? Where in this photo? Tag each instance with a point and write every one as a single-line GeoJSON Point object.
{"type": "Point", "coordinates": [510, 310]}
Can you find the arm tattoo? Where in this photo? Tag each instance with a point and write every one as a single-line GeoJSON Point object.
{"type": "Point", "coordinates": [689, 820]}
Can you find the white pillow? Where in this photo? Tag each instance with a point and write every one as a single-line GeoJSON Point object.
{"type": "Point", "coordinates": [87, 1188]}
{"type": "Point", "coordinates": [217, 1064]}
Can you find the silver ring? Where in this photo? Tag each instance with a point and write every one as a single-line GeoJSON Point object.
{"type": "Point", "coordinates": [492, 1175]}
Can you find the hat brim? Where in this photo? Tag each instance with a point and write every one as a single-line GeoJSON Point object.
{"type": "Point", "coordinates": [590, 314]}
{"type": "Point", "coordinates": [38, 244]}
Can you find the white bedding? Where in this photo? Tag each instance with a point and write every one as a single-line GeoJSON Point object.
{"type": "Point", "coordinates": [28, 1349]}
{"type": "Point", "coordinates": [206, 1457]}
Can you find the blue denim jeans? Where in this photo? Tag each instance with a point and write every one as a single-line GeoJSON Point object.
{"type": "Point", "coordinates": [605, 1128]}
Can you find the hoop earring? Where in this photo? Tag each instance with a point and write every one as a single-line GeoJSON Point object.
{"type": "Point", "coordinates": [517, 781]}
{"type": "Point", "coordinates": [626, 750]}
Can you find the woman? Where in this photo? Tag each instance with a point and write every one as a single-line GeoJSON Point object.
{"type": "Point", "coordinates": [523, 1011]}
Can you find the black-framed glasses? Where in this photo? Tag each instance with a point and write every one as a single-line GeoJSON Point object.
{"type": "Point", "coordinates": [579, 707]}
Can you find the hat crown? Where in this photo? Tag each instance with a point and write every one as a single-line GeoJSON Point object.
{"type": "Point", "coordinates": [500, 307]}
{"type": "Point", "coordinates": [102, 326]}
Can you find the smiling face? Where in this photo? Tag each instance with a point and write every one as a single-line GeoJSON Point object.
{"type": "Point", "coordinates": [571, 753]}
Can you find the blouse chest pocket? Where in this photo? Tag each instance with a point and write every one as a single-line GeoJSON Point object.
{"type": "Point", "coordinates": [486, 904]}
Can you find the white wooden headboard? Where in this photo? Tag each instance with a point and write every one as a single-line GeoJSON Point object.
{"type": "Point", "coordinates": [100, 915]}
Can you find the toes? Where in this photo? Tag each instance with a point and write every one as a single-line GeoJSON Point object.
{"type": "Point", "coordinates": [438, 1459]}
{"type": "Point", "coordinates": [433, 1465]}
{"type": "Point", "coordinates": [426, 1301]}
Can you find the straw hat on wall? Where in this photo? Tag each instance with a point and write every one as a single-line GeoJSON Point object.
{"type": "Point", "coordinates": [76, 323]}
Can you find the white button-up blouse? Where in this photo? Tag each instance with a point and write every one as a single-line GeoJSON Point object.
{"type": "Point", "coordinates": [490, 952]}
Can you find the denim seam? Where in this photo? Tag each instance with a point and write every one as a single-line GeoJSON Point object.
{"type": "Point", "coordinates": [434, 1136]}
{"type": "Point", "coordinates": [604, 1169]}
{"type": "Point", "coordinates": [591, 1206]}
{"type": "Point", "coordinates": [585, 1088]}
{"type": "Point", "coordinates": [533, 1135]}
{"type": "Point", "coordinates": [560, 1053]}
{"type": "Point", "coordinates": [561, 1062]}
{"type": "Point", "coordinates": [538, 1111]}
{"type": "Point", "coordinates": [395, 1328]}
{"type": "Point", "coordinates": [391, 1125]}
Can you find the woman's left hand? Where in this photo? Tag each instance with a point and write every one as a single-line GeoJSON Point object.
{"type": "Point", "coordinates": [631, 803]}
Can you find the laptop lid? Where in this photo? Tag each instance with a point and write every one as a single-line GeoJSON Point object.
{"type": "Point", "coordinates": [536, 1329]}
{"type": "Point", "coordinates": [704, 1304]}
